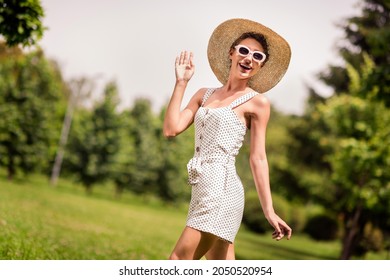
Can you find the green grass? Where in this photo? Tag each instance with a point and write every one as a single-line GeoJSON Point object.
{"type": "Point", "coordinates": [38, 221]}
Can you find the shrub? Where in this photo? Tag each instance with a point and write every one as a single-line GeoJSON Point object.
{"type": "Point", "coordinates": [297, 218]}
{"type": "Point", "coordinates": [322, 227]}
{"type": "Point", "coordinates": [372, 240]}
{"type": "Point", "coordinates": [253, 217]}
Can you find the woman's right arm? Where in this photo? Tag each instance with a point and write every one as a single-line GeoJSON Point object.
{"type": "Point", "coordinates": [176, 121]}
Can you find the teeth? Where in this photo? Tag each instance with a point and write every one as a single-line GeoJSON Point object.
{"type": "Point", "coordinates": [245, 67]}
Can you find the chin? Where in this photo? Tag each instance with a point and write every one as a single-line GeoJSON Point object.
{"type": "Point", "coordinates": [245, 75]}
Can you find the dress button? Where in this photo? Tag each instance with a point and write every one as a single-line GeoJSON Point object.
{"type": "Point", "coordinates": [200, 137]}
{"type": "Point", "coordinates": [197, 149]}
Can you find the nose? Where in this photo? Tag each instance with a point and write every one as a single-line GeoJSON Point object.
{"type": "Point", "coordinates": [248, 57]}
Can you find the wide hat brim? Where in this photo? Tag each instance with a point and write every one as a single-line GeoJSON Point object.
{"type": "Point", "coordinates": [269, 74]}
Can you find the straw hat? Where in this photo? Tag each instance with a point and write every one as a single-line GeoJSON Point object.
{"type": "Point", "coordinates": [269, 74]}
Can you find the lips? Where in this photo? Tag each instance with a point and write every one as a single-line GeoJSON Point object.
{"type": "Point", "coordinates": [245, 67]}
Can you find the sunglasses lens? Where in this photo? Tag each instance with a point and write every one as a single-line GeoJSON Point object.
{"type": "Point", "coordinates": [258, 56]}
{"type": "Point", "coordinates": [243, 51]}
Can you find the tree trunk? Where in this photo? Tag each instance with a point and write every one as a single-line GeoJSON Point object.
{"type": "Point", "coordinates": [349, 241]}
{"type": "Point", "coordinates": [63, 139]}
{"type": "Point", "coordinates": [88, 189]}
{"type": "Point", "coordinates": [11, 172]}
{"type": "Point", "coordinates": [118, 192]}
{"type": "Point", "coordinates": [10, 167]}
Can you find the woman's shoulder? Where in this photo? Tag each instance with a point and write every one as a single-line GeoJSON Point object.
{"type": "Point", "coordinates": [259, 107]}
{"type": "Point", "coordinates": [203, 93]}
{"type": "Point", "coordinates": [261, 100]}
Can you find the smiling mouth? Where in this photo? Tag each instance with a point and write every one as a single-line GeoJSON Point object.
{"type": "Point", "coordinates": [245, 67]}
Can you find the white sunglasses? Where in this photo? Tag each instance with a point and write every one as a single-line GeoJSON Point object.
{"type": "Point", "coordinates": [245, 51]}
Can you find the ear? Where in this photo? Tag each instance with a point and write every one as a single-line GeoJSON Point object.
{"type": "Point", "coordinates": [231, 53]}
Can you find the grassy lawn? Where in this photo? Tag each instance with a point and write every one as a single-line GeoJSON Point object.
{"type": "Point", "coordinates": [63, 223]}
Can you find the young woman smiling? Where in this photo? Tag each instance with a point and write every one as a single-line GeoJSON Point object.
{"type": "Point", "coordinates": [248, 59]}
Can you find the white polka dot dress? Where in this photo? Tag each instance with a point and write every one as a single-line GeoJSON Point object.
{"type": "Point", "coordinates": [217, 197]}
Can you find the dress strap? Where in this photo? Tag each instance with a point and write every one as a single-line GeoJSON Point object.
{"type": "Point", "coordinates": [243, 99]}
{"type": "Point", "coordinates": [207, 94]}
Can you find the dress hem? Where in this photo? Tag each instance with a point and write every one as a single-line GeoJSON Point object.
{"type": "Point", "coordinates": [206, 231]}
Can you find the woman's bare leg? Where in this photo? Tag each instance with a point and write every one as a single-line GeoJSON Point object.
{"type": "Point", "coordinates": [192, 244]}
{"type": "Point", "coordinates": [231, 255]}
{"type": "Point", "coordinates": [221, 250]}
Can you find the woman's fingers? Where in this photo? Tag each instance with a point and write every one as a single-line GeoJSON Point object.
{"type": "Point", "coordinates": [184, 66]}
{"type": "Point", "coordinates": [278, 235]}
{"type": "Point", "coordinates": [184, 58]}
{"type": "Point", "coordinates": [281, 229]}
{"type": "Point", "coordinates": [191, 62]}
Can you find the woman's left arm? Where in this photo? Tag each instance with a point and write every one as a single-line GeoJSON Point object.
{"type": "Point", "coordinates": [260, 113]}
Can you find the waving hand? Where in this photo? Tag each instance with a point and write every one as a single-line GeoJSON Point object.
{"type": "Point", "coordinates": [184, 66]}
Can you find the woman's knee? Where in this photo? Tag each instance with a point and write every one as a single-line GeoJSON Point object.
{"type": "Point", "coordinates": [174, 256]}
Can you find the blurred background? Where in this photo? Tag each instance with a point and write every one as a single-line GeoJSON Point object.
{"type": "Point", "coordinates": [85, 172]}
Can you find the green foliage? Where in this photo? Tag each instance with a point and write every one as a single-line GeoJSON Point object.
{"type": "Point", "coordinates": [277, 155]}
{"type": "Point", "coordinates": [129, 149]}
{"type": "Point", "coordinates": [306, 172]}
{"type": "Point", "coordinates": [147, 162]}
{"type": "Point", "coordinates": [125, 159]}
{"type": "Point", "coordinates": [253, 217]}
{"type": "Point", "coordinates": [372, 240]}
{"type": "Point", "coordinates": [297, 217]}
{"type": "Point", "coordinates": [345, 138]}
{"type": "Point", "coordinates": [32, 100]}
{"type": "Point", "coordinates": [172, 173]}
{"type": "Point", "coordinates": [368, 33]}
{"type": "Point", "coordinates": [360, 140]}
{"type": "Point", "coordinates": [21, 21]}
{"type": "Point", "coordinates": [94, 141]}
{"type": "Point", "coordinates": [322, 227]}
{"type": "Point", "coordinates": [357, 141]}
{"type": "Point", "coordinates": [144, 134]}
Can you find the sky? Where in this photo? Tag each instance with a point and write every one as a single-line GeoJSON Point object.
{"type": "Point", "coordinates": [134, 43]}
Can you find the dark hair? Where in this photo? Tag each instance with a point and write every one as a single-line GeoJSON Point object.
{"type": "Point", "coordinates": [258, 37]}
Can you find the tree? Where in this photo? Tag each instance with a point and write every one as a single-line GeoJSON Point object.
{"type": "Point", "coordinates": [359, 140]}
{"type": "Point", "coordinates": [147, 162]}
{"type": "Point", "coordinates": [21, 21]}
{"type": "Point", "coordinates": [32, 102]}
{"type": "Point", "coordinates": [125, 160]}
{"type": "Point", "coordinates": [79, 90]}
{"type": "Point", "coordinates": [144, 134]}
{"type": "Point", "coordinates": [94, 140]}
{"type": "Point", "coordinates": [342, 142]}
{"type": "Point", "coordinates": [368, 33]}
{"type": "Point", "coordinates": [172, 172]}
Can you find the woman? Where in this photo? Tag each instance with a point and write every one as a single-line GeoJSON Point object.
{"type": "Point", "coordinates": [248, 58]}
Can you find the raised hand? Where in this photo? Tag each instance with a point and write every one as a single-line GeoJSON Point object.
{"type": "Point", "coordinates": [184, 66]}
